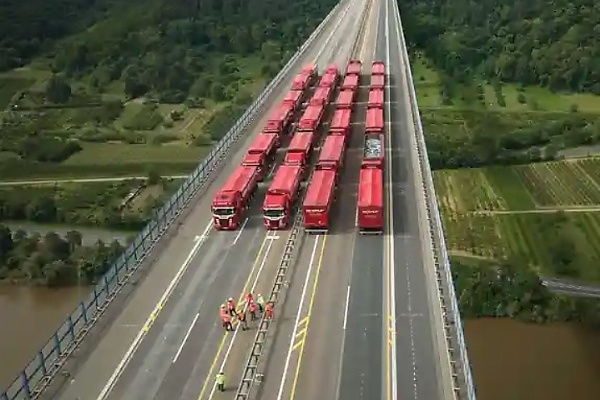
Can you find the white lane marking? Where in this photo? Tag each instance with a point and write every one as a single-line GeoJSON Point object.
{"type": "Point", "coordinates": [347, 305]}
{"type": "Point", "coordinates": [295, 332]}
{"type": "Point", "coordinates": [185, 338]}
{"type": "Point", "coordinates": [333, 31]}
{"type": "Point", "coordinates": [392, 278]}
{"type": "Point", "coordinates": [237, 237]}
{"type": "Point", "coordinates": [167, 293]}
{"type": "Point", "coordinates": [254, 283]}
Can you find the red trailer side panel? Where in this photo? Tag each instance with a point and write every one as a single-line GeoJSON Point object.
{"type": "Point", "coordinates": [319, 198]}
{"type": "Point", "coordinates": [311, 118]}
{"type": "Point", "coordinates": [328, 80]}
{"type": "Point", "coordinates": [370, 200]}
{"type": "Point", "coordinates": [340, 122]}
{"type": "Point", "coordinates": [321, 96]}
{"type": "Point", "coordinates": [332, 153]}
{"type": "Point", "coordinates": [375, 98]}
{"type": "Point", "coordinates": [332, 69]}
{"type": "Point", "coordinates": [309, 69]}
{"type": "Point", "coordinates": [378, 68]}
{"type": "Point", "coordinates": [292, 98]}
{"type": "Point", "coordinates": [374, 120]}
{"type": "Point", "coordinates": [345, 99]}
{"type": "Point", "coordinates": [350, 82]}
{"type": "Point", "coordinates": [279, 119]}
{"type": "Point", "coordinates": [300, 81]}
{"type": "Point", "coordinates": [263, 143]}
{"type": "Point", "coordinates": [299, 148]}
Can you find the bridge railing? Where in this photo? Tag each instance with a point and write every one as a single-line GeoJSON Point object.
{"type": "Point", "coordinates": [50, 358]}
{"type": "Point", "coordinates": [460, 360]}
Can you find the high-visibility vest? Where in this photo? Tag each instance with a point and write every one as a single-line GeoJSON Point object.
{"type": "Point", "coordinates": [220, 379]}
{"type": "Point", "coordinates": [252, 307]}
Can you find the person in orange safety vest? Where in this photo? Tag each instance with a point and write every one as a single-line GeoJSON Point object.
{"type": "Point", "coordinates": [226, 318]}
{"type": "Point", "coordinates": [249, 298]}
{"type": "Point", "coordinates": [269, 310]}
{"type": "Point", "coordinates": [231, 306]}
{"type": "Point", "coordinates": [252, 309]}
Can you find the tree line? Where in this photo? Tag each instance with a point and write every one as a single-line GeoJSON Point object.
{"type": "Point", "coordinates": [553, 44]}
{"type": "Point", "coordinates": [511, 289]}
{"type": "Point", "coordinates": [52, 260]}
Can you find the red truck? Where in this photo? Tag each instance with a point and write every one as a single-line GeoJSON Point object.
{"type": "Point", "coordinates": [299, 150]}
{"type": "Point", "coordinates": [232, 199]}
{"type": "Point", "coordinates": [374, 121]}
{"type": "Point", "coordinates": [280, 198]}
{"type": "Point", "coordinates": [311, 118]}
{"type": "Point", "coordinates": [279, 119]}
{"type": "Point", "coordinates": [370, 201]}
{"type": "Point", "coordinates": [350, 82]}
{"type": "Point", "coordinates": [345, 99]}
{"type": "Point", "coordinates": [332, 153]}
{"type": "Point", "coordinates": [310, 70]}
{"type": "Point", "coordinates": [375, 98]}
{"type": "Point", "coordinates": [304, 78]}
{"type": "Point", "coordinates": [321, 96]}
{"type": "Point", "coordinates": [318, 200]}
{"type": "Point", "coordinates": [374, 151]}
{"type": "Point", "coordinates": [293, 99]}
{"type": "Point", "coordinates": [378, 68]}
{"type": "Point", "coordinates": [340, 122]}
{"type": "Point", "coordinates": [261, 153]}
{"type": "Point", "coordinates": [377, 81]}
{"type": "Point", "coordinates": [354, 67]}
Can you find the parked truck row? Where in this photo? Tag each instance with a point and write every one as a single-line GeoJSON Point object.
{"type": "Point", "coordinates": [284, 191]}
{"type": "Point", "coordinates": [232, 199]}
{"type": "Point", "coordinates": [370, 182]}
{"type": "Point", "coordinates": [320, 193]}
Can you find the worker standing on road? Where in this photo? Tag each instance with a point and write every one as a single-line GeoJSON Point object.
{"type": "Point", "coordinates": [226, 318]}
{"type": "Point", "coordinates": [269, 310]}
{"type": "Point", "coordinates": [220, 381]}
{"type": "Point", "coordinates": [231, 306]}
{"type": "Point", "coordinates": [261, 303]}
{"type": "Point", "coordinates": [249, 298]}
{"type": "Point", "coordinates": [241, 315]}
{"type": "Point", "coordinates": [252, 309]}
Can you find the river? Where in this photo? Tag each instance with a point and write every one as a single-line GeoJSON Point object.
{"type": "Point", "coordinates": [519, 361]}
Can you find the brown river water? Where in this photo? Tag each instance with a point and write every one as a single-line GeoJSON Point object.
{"type": "Point", "coordinates": [511, 360]}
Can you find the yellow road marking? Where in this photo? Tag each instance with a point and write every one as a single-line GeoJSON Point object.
{"type": "Point", "coordinates": [312, 300]}
{"type": "Point", "coordinates": [302, 332]}
{"type": "Point", "coordinates": [223, 339]}
{"type": "Point", "coordinates": [300, 343]}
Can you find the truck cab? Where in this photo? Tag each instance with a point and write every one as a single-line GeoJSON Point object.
{"type": "Point", "coordinates": [281, 195]}
{"type": "Point", "coordinates": [226, 210]}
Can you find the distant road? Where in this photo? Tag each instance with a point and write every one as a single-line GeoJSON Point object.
{"type": "Point", "coordinates": [82, 180]}
{"type": "Point", "coordinates": [571, 288]}
{"type": "Point", "coordinates": [569, 209]}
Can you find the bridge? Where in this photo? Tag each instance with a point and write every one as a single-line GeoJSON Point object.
{"type": "Point", "coordinates": [356, 316]}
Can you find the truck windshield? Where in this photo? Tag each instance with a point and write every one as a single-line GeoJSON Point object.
{"type": "Point", "coordinates": [223, 212]}
{"type": "Point", "coordinates": [274, 213]}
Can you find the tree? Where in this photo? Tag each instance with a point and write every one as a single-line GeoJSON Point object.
{"type": "Point", "coordinates": [58, 89]}
{"type": "Point", "coordinates": [6, 243]}
{"type": "Point", "coordinates": [153, 178]}
{"type": "Point", "coordinates": [74, 239]}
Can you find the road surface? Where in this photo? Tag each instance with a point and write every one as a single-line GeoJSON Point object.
{"type": "Point", "coordinates": [571, 288]}
{"type": "Point", "coordinates": [355, 321]}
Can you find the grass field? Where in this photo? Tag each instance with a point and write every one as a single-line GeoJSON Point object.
{"type": "Point", "coordinates": [427, 83]}
{"type": "Point", "coordinates": [558, 184]}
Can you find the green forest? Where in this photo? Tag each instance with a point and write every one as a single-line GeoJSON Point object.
{"type": "Point", "coordinates": [52, 260]}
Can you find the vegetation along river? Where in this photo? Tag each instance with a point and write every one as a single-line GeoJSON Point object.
{"type": "Point", "coordinates": [520, 361]}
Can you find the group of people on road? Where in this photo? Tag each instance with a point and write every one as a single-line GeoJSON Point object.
{"type": "Point", "coordinates": [255, 307]}
{"type": "Point", "coordinates": [229, 310]}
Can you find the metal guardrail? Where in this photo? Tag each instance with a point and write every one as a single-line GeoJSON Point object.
{"type": "Point", "coordinates": [49, 359]}
{"type": "Point", "coordinates": [443, 270]}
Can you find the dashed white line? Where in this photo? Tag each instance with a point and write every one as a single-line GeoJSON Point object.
{"type": "Point", "coordinates": [185, 338]}
{"type": "Point", "coordinates": [347, 304]}
{"type": "Point", "coordinates": [237, 237]}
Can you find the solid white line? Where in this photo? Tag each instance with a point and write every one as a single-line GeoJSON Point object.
{"type": "Point", "coordinates": [237, 237]}
{"type": "Point", "coordinates": [347, 304]}
{"type": "Point", "coordinates": [254, 283]}
{"type": "Point", "coordinates": [334, 30]}
{"type": "Point", "coordinates": [167, 293]}
{"type": "Point", "coordinates": [185, 338]}
{"type": "Point", "coordinates": [294, 333]}
{"type": "Point", "coordinates": [392, 277]}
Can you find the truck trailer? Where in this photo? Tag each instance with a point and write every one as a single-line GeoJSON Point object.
{"type": "Point", "coordinates": [231, 201]}
{"type": "Point", "coordinates": [345, 99]}
{"type": "Point", "coordinates": [354, 67]}
{"type": "Point", "coordinates": [293, 99]}
{"type": "Point", "coordinates": [374, 121]}
{"type": "Point", "coordinates": [340, 122]}
{"type": "Point", "coordinates": [331, 156]}
{"type": "Point", "coordinates": [376, 98]}
{"type": "Point", "coordinates": [378, 68]}
{"type": "Point", "coordinates": [279, 119]}
{"type": "Point", "coordinates": [377, 81]}
{"type": "Point", "coordinates": [318, 201]}
{"type": "Point", "coordinates": [281, 195]}
{"type": "Point", "coordinates": [370, 201]}
{"type": "Point", "coordinates": [374, 151]}
{"type": "Point", "coordinates": [310, 120]}
{"type": "Point", "coordinates": [321, 96]}
{"type": "Point", "coordinates": [350, 82]}
{"type": "Point", "coordinates": [261, 153]}
{"type": "Point", "coordinates": [299, 150]}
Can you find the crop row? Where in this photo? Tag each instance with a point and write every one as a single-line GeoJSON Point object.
{"type": "Point", "coordinates": [527, 237]}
